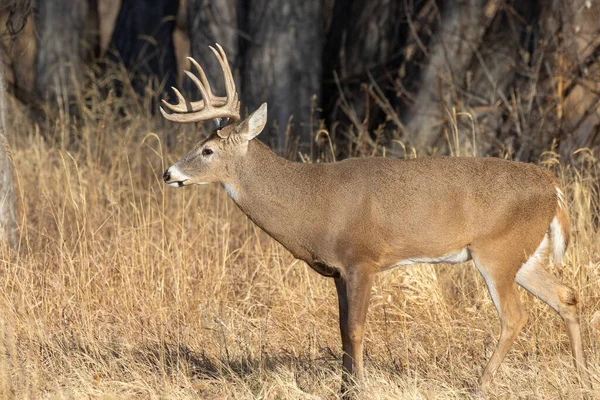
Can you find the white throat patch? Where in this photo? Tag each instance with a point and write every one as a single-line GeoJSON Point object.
{"type": "Point", "coordinates": [231, 192]}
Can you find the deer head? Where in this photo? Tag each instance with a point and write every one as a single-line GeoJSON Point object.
{"type": "Point", "coordinates": [214, 158]}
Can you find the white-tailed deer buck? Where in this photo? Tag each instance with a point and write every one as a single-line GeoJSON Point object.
{"type": "Point", "coordinates": [352, 219]}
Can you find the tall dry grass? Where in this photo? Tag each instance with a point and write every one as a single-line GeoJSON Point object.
{"type": "Point", "coordinates": [124, 288]}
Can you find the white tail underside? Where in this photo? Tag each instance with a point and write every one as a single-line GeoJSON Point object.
{"type": "Point", "coordinates": [558, 241]}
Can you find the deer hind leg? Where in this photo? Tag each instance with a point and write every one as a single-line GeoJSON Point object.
{"type": "Point", "coordinates": [499, 274]}
{"type": "Point", "coordinates": [353, 296]}
{"type": "Point", "coordinates": [539, 282]}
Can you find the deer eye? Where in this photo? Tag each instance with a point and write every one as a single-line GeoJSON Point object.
{"type": "Point", "coordinates": [206, 152]}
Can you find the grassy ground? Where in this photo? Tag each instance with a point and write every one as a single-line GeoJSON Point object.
{"type": "Point", "coordinates": [125, 288]}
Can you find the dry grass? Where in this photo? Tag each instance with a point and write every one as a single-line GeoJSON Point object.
{"type": "Point", "coordinates": [124, 288]}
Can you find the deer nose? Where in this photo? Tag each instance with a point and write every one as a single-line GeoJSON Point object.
{"type": "Point", "coordinates": [166, 176]}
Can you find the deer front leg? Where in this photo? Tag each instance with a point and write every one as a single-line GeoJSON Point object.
{"type": "Point", "coordinates": [353, 296]}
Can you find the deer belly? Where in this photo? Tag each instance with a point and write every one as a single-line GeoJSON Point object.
{"type": "Point", "coordinates": [456, 257]}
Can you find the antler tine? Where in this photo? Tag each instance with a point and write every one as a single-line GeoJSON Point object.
{"type": "Point", "coordinates": [210, 106]}
{"type": "Point", "coordinates": [186, 106]}
{"type": "Point", "coordinates": [181, 105]}
{"type": "Point", "coordinates": [203, 92]}
{"type": "Point", "coordinates": [234, 95]}
{"type": "Point", "coordinates": [202, 75]}
{"type": "Point", "coordinates": [227, 76]}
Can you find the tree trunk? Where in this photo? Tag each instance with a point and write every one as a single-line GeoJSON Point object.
{"type": "Point", "coordinates": [282, 64]}
{"type": "Point", "coordinates": [8, 220]}
{"type": "Point", "coordinates": [108, 11]}
{"type": "Point", "coordinates": [363, 47]}
{"type": "Point", "coordinates": [58, 68]}
{"type": "Point", "coordinates": [211, 22]}
{"type": "Point", "coordinates": [578, 70]}
{"type": "Point", "coordinates": [143, 40]}
{"type": "Point", "coordinates": [463, 23]}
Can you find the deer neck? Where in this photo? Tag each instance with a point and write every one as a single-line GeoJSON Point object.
{"type": "Point", "coordinates": [268, 189]}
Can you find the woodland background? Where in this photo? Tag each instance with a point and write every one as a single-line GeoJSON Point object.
{"type": "Point", "coordinates": [114, 286]}
{"type": "Point", "coordinates": [524, 75]}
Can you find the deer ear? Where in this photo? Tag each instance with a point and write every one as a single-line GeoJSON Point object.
{"type": "Point", "coordinates": [254, 124]}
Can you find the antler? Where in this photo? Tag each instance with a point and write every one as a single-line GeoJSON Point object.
{"type": "Point", "coordinates": [210, 106]}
